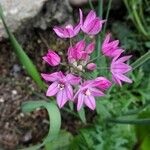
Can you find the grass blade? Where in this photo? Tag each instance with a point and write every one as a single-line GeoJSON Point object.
{"type": "Point", "coordinates": [54, 119]}
{"type": "Point", "coordinates": [141, 60]}
{"type": "Point", "coordinates": [23, 57]}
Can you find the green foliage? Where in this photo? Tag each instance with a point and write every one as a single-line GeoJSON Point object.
{"type": "Point", "coordinates": [129, 39]}
{"type": "Point", "coordinates": [61, 142]}
{"type": "Point", "coordinates": [106, 137]}
{"type": "Point", "coordinates": [54, 119]}
{"type": "Point", "coordinates": [143, 132]}
{"type": "Point", "coordinates": [137, 10]}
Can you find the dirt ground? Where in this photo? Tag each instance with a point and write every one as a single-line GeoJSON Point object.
{"type": "Point", "coordinates": [16, 128]}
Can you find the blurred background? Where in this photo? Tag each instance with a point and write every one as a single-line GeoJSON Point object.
{"type": "Point", "coordinates": [32, 23]}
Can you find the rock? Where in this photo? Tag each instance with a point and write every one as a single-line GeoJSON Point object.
{"type": "Point", "coordinates": [78, 3]}
{"type": "Point", "coordinates": [20, 14]}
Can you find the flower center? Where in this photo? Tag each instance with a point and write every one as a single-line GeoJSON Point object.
{"type": "Point", "coordinates": [61, 86]}
{"type": "Point", "coordinates": [87, 92]}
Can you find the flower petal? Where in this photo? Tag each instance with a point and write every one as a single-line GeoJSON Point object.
{"type": "Point", "coordinates": [91, 16]}
{"type": "Point", "coordinates": [52, 89]}
{"type": "Point", "coordinates": [96, 92]}
{"type": "Point", "coordinates": [50, 77]}
{"type": "Point", "coordinates": [61, 98]}
{"type": "Point", "coordinates": [90, 48]}
{"type": "Point", "coordinates": [59, 32]}
{"type": "Point", "coordinates": [90, 102]}
{"type": "Point", "coordinates": [73, 80]}
{"type": "Point", "coordinates": [81, 98]}
{"type": "Point", "coordinates": [69, 92]}
{"type": "Point", "coordinates": [123, 78]}
{"type": "Point", "coordinates": [123, 59]}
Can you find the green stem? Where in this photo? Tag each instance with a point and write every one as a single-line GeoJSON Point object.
{"type": "Point", "coordinates": [107, 14]}
{"type": "Point", "coordinates": [141, 60]}
{"type": "Point", "coordinates": [133, 122]}
{"type": "Point", "coordinates": [91, 5]}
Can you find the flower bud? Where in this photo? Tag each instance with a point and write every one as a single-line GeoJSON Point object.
{"type": "Point", "coordinates": [91, 66]}
{"type": "Point", "coordinates": [52, 58]}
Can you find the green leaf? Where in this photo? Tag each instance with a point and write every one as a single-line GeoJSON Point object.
{"type": "Point", "coordinates": [62, 142]}
{"type": "Point", "coordinates": [54, 117]}
{"type": "Point", "coordinates": [81, 114]}
{"type": "Point", "coordinates": [23, 57]}
{"type": "Point", "coordinates": [141, 60]}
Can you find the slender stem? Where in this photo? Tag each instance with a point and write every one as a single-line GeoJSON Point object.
{"type": "Point", "coordinates": [91, 4]}
{"type": "Point", "coordinates": [134, 121]}
{"type": "Point", "coordinates": [107, 14]}
{"type": "Point", "coordinates": [141, 60]}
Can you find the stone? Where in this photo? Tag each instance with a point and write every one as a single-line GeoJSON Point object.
{"type": "Point", "coordinates": [78, 3]}
{"type": "Point", "coordinates": [20, 14]}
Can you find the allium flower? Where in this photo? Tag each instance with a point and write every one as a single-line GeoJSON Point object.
{"type": "Point", "coordinates": [61, 86]}
{"type": "Point", "coordinates": [91, 66]}
{"type": "Point", "coordinates": [92, 24]}
{"type": "Point", "coordinates": [111, 49]}
{"type": "Point", "coordinates": [67, 32]}
{"type": "Point", "coordinates": [75, 52]}
{"type": "Point", "coordinates": [119, 68]}
{"type": "Point", "coordinates": [80, 52]}
{"type": "Point", "coordinates": [52, 58]}
{"type": "Point", "coordinates": [86, 93]}
{"type": "Point", "coordinates": [102, 83]}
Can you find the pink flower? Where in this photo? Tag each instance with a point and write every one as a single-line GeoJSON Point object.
{"type": "Point", "coordinates": [92, 24]}
{"type": "Point", "coordinates": [75, 52]}
{"type": "Point", "coordinates": [111, 49]}
{"type": "Point", "coordinates": [86, 93]}
{"type": "Point", "coordinates": [91, 66]}
{"type": "Point", "coordinates": [52, 58]}
{"type": "Point", "coordinates": [102, 83]}
{"type": "Point", "coordinates": [119, 68]}
{"type": "Point", "coordinates": [67, 32]}
{"type": "Point", "coordinates": [80, 52]}
{"type": "Point", "coordinates": [61, 86]}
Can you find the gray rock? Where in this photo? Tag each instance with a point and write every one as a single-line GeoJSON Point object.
{"type": "Point", "coordinates": [78, 3]}
{"type": "Point", "coordinates": [20, 14]}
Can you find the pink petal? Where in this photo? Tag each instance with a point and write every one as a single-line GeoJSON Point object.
{"type": "Point", "coordinates": [52, 58]}
{"type": "Point", "coordinates": [102, 83]}
{"type": "Point", "coordinates": [73, 80]}
{"type": "Point", "coordinates": [123, 59]}
{"type": "Point", "coordinates": [80, 45]}
{"type": "Point", "coordinates": [123, 78]}
{"type": "Point", "coordinates": [116, 80]}
{"type": "Point", "coordinates": [96, 92]}
{"type": "Point", "coordinates": [52, 89]}
{"type": "Point", "coordinates": [121, 68]}
{"type": "Point", "coordinates": [81, 98]}
{"type": "Point", "coordinates": [107, 39]}
{"type": "Point", "coordinates": [81, 16]}
{"type": "Point", "coordinates": [61, 98]}
{"type": "Point", "coordinates": [68, 32]}
{"type": "Point", "coordinates": [69, 92]}
{"type": "Point", "coordinates": [90, 48]}
{"type": "Point", "coordinates": [90, 102]}
{"type": "Point", "coordinates": [59, 32]}
{"type": "Point", "coordinates": [93, 27]}
{"type": "Point", "coordinates": [91, 16]}
{"type": "Point", "coordinates": [50, 77]}
{"type": "Point", "coordinates": [77, 29]}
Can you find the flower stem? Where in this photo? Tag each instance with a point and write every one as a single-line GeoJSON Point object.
{"type": "Point", "coordinates": [141, 60]}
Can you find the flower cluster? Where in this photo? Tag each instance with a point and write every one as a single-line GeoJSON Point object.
{"type": "Point", "coordinates": [72, 85]}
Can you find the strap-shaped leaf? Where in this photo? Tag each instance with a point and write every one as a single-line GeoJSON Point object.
{"type": "Point", "coordinates": [141, 60]}
{"type": "Point", "coordinates": [23, 57]}
{"type": "Point", "coordinates": [54, 117]}
{"type": "Point", "coordinates": [81, 114]}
